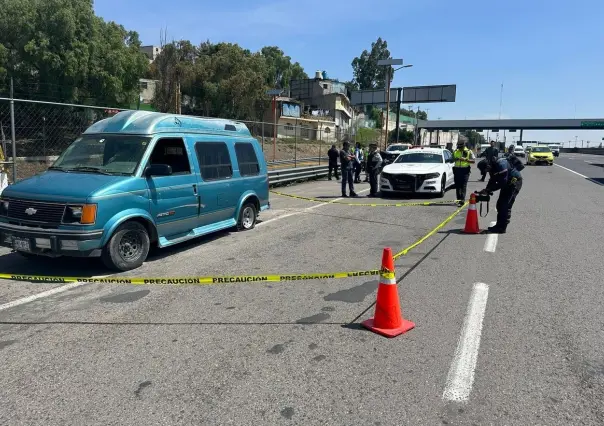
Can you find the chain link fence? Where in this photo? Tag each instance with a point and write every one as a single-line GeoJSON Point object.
{"type": "Point", "coordinates": [43, 130]}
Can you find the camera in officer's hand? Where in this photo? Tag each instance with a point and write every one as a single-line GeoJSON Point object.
{"type": "Point", "coordinates": [483, 196]}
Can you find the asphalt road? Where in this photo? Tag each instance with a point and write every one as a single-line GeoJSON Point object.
{"type": "Point", "coordinates": [509, 329]}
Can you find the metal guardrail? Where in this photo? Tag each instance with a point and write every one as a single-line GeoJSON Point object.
{"type": "Point", "coordinates": [298, 160]}
{"type": "Point", "coordinates": [276, 177]}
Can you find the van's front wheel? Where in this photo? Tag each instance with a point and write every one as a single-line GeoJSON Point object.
{"type": "Point", "coordinates": [128, 247]}
{"type": "Point", "coordinates": [247, 217]}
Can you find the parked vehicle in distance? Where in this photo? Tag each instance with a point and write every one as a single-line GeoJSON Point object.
{"type": "Point", "coordinates": [419, 170]}
{"type": "Point", "coordinates": [135, 180]}
{"type": "Point", "coordinates": [519, 151]}
{"type": "Point", "coordinates": [540, 155]}
{"type": "Point", "coordinates": [393, 151]}
{"type": "Point", "coordinates": [555, 150]}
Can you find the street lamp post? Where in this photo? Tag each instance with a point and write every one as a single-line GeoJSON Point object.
{"type": "Point", "coordinates": [274, 93]}
{"type": "Point", "coordinates": [389, 73]}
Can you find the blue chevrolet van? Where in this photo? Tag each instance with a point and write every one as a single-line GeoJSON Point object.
{"type": "Point", "coordinates": [135, 180]}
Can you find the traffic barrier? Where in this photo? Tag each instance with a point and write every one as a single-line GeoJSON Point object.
{"type": "Point", "coordinates": [213, 280]}
{"type": "Point", "coordinates": [472, 218]}
{"type": "Point", "coordinates": [388, 318]}
{"type": "Point", "coordinates": [336, 201]}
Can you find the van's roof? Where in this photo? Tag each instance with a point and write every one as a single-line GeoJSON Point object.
{"type": "Point", "coordinates": [146, 123]}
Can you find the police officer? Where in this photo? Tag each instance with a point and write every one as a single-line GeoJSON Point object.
{"type": "Point", "coordinates": [463, 158]}
{"type": "Point", "coordinates": [359, 158]}
{"type": "Point", "coordinates": [374, 162]}
{"type": "Point", "coordinates": [333, 155]}
{"type": "Point", "coordinates": [506, 178]}
{"type": "Point", "coordinates": [346, 162]}
{"type": "Point", "coordinates": [488, 154]}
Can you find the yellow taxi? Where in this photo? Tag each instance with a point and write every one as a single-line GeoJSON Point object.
{"type": "Point", "coordinates": [539, 155]}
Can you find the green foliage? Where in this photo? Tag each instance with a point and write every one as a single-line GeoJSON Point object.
{"type": "Point", "coordinates": [367, 135]}
{"type": "Point", "coordinates": [280, 69]}
{"type": "Point", "coordinates": [405, 136]}
{"type": "Point", "coordinates": [367, 74]}
{"type": "Point", "coordinates": [421, 115]}
{"type": "Point", "coordinates": [474, 139]}
{"type": "Point", "coordinates": [376, 114]}
{"type": "Point", "coordinates": [221, 80]}
{"type": "Point", "coordinates": [60, 50]}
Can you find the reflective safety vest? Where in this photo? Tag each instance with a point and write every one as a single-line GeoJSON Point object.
{"type": "Point", "coordinates": [461, 157]}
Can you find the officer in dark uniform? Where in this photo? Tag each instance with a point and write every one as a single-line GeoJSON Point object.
{"type": "Point", "coordinates": [333, 155]}
{"type": "Point", "coordinates": [346, 161]}
{"type": "Point", "coordinates": [461, 170]}
{"type": "Point", "coordinates": [507, 179]}
{"type": "Point", "coordinates": [374, 162]}
{"type": "Point", "coordinates": [488, 154]}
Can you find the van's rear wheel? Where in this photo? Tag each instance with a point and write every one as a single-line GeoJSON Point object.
{"type": "Point", "coordinates": [247, 217]}
{"type": "Point", "coordinates": [128, 247]}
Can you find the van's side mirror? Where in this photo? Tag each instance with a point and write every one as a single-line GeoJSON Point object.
{"type": "Point", "coordinates": [158, 170]}
{"type": "Point", "coordinates": [450, 160]}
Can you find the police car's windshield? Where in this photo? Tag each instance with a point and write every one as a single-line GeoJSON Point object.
{"type": "Point", "coordinates": [419, 157]}
{"type": "Point", "coordinates": [397, 148]}
{"type": "Point", "coordinates": [518, 148]}
{"type": "Point", "coordinates": [103, 154]}
{"type": "Point", "coordinates": [541, 149]}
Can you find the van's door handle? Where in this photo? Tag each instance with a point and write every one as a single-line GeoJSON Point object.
{"type": "Point", "coordinates": [195, 189]}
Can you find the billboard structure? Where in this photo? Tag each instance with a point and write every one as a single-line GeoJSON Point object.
{"type": "Point", "coordinates": [429, 94]}
{"type": "Point", "coordinates": [376, 97]}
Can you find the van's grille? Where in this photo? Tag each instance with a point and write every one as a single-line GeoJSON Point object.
{"type": "Point", "coordinates": [36, 211]}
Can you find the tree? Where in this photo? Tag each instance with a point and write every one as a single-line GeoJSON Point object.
{"type": "Point", "coordinates": [405, 136]}
{"type": "Point", "coordinates": [60, 50]}
{"type": "Point", "coordinates": [421, 115]}
{"type": "Point", "coordinates": [280, 69]}
{"type": "Point", "coordinates": [367, 74]}
{"type": "Point", "coordinates": [474, 138]}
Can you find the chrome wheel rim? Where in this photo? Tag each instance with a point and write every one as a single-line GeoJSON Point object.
{"type": "Point", "coordinates": [248, 217]}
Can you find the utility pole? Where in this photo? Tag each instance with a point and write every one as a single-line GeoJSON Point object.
{"type": "Point", "coordinates": [387, 104]}
{"type": "Point", "coordinates": [399, 99]}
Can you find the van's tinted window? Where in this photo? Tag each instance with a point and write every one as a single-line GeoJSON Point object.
{"type": "Point", "coordinates": [214, 160]}
{"type": "Point", "coordinates": [173, 153]}
{"type": "Point", "coordinates": [247, 160]}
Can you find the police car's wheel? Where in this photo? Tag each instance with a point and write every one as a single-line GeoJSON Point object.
{"type": "Point", "coordinates": [128, 247]}
{"type": "Point", "coordinates": [247, 217]}
{"type": "Point", "coordinates": [443, 186]}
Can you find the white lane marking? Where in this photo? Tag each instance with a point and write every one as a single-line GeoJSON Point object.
{"type": "Point", "coordinates": [461, 374]}
{"type": "Point", "coordinates": [578, 174]}
{"type": "Point", "coordinates": [491, 243]}
{"type": "Point", "coordinates": [33, 297]}
{"type": "Point", "coordinates": [305, 210]}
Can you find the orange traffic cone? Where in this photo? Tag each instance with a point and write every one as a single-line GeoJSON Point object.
{"type": "Point", "coordinates": [388, 320]}
{"type": "Point", "coordinates": [472, 218]}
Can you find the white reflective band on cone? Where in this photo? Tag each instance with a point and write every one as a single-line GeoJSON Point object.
{"type": "Point", "coordinates": [388, 278]}
{"type": "Point", "coordinates": [472, 207]}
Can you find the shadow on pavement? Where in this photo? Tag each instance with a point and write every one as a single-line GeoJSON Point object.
{"type": "Point", "coordinates": [13, 263]}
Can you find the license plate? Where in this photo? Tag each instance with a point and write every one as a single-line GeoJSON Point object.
{"type": "Point", "coordinates": [21, 244]}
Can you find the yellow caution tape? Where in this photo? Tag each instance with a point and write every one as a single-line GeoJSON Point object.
{"type": "Point", "coordinates": [429, 234]}
{"type": "Point", "coordinates": [335, 201]}
{"type": "Point", "coordinates": [211, 280]}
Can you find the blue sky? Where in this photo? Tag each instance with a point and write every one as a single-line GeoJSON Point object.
{"type": "Point", "coordinates": [548, 54]}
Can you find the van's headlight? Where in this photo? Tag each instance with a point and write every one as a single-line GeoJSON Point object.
{"type": "Point", "coordinates": [432, 175]}
{"type": "Point", "coordinates": [4, 207]}
{"type": "Point", "coordinates": [82, 214]}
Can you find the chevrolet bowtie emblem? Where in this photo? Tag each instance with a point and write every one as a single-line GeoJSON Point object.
{"type": "Point", "coordinates": [31, 211]}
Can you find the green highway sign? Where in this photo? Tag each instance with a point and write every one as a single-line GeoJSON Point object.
{"type": "Point", "coordinates": [598, 124]}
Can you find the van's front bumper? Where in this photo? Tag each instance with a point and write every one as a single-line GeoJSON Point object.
{"type": "Point", "coordinates": [51, 242]}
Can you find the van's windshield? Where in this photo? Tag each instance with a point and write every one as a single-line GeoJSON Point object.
{"type": "Point", "coordinates": [103, 154]}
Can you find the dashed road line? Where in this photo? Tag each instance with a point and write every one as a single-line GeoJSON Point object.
{"type": "Point", "coordinates": [305, 210]}
{"type": "Point", "coordinates": [42, 295]}
{"type": "Point", "coordinates": [461, 374]}
{"type": "Point", "coordinates": [490, 245]}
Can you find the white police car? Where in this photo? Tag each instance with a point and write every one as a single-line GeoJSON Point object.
{"type": "Point", "coordinates": [423, 170]}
